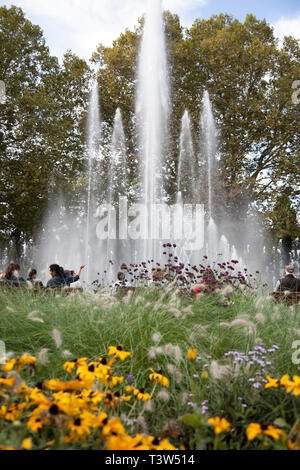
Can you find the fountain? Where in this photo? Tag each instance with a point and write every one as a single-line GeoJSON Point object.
{"type": "Point", "coordinates": [152, 113]}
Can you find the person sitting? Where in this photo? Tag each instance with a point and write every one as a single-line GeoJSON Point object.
{"type": "Point", "coordinates": [289, 281]}
{"type": "Point", "coordinates": [70, 277]}
{"type": "Point", "coordinates": [207, 284]}
{"type": "Point", "coordinates": [121, 282]}
{"type": "Point", "coordinates": [57, 280]}
{"type": "Point", "coordinates": [12, 276]}
{"type": "Point", "coordinates": [32, 278]}
{"type": "Point", "coordinates": [158, 276]}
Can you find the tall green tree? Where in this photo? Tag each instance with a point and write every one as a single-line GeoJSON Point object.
{"type": "Point", "coordinates": [41, 127]}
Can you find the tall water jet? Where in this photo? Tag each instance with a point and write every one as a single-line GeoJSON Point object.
{"type": "Point", "coordinates": [118, 164]}
{"type": "Point", "coordinates": [152, 106]}
{"type": "Point", "coordinates": [208, 131]}
{"type": "Point", "coordinates": [186, 164]}
{"type": "Point", "coordinates": [117, 182]}
{"type": "Point", "coordinates": [93, 137]}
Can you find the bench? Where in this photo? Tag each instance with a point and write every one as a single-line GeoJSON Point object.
{"type": "Point", "coordinates": [289, 298]}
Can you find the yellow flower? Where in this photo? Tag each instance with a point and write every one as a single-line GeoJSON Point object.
{"type": "Point", "coordinates": [272, 383]}
{"type": "Point", "coordinates": [296, 385]}
{"type": "Point", "coordinates": [140, 394]}
{"type": "Point", "coordinates": [15, 411]}
{"type": "Point", "coordinates": [25, 359]}
{"type": "Point", "coordinates": [112, 427]}
{"type": "Point", "coordinates": [204, 375]}
{"type": "Point", "coordinates": [27, 444]}
{"type": "Point", "coordinates": [69, 366]}
{"type": "Point", "coordinates": [255, 429]}
{"type": "Point", "coordinates": [274, 432]}
{"type": "Point", "coordinates": [79, 430]}
{"type": "Point", "coordinates": [35, 423]}
{"type": "Point", "coordinates": [291, 385]}
{"type": "Point", "coordinates": [292, 445]}
{"type": "Point", "coordinates": [118, 352]}
{"type": "Point", "coordinates": [192, 354]}
{"type": "Point", "coordinates": [164, 445]}
{"type": "Point", "coordinates": [287, 383]}
{"type": "Point", "coordinates": [156, 444]}
{"type": "Point", "coordinates": [113, 381]}
{"type": "Point", "coordinates": [9, 365]}
{"type": "Point", "coordinates": [9, 382]}
{"type": "Point", "coordinates": [73, 385]}
{"type": "Point", "coordinates": [220, 425]}
{"type": "Point", "coordinates": [125, 442]}
{"type": "Point", "coordinates": [159, 378]}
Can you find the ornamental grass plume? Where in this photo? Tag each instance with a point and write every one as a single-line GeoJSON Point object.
{"type": "Point", "coordinates": [42, 356]}
{"type": "Point", "coordinates": [260, 301]}
{"type": "Point", "coordinates": [163, 395]}
{"type": "Point", "coordinates": [57, 338]}
{"type": "Point", "coordinates": [260, 318]}
{"type": "Point", "coordinates": [155, 351]}
{"type": "Point", "coordinates": [177, 313]}
{"type": "Point", "coordinates": [244, 323]}
{"type": "Point", "coordinates": [149, 406]}
{"type": "Point", "coordinates": [227, 290]}
{"type": "Point", "coordinates": [178, 376]}
{"type": "Point", "coordinates": [218, 371]}
{"type": "Point", "coordinates": [37, 320]}
{"type": "Point", "coordinates": [156, 337]}
{"type": "Point", "coordinates": [171, 368]}
{"type": "Point", "coordinates": [184, 398]}
{"type": "Point", "coordinates": [174, 351]}
{"type": "Point", "coordinates": [66, 354]}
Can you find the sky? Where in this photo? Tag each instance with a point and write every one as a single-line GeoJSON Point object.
{"type": "Point", "coordinates": [80, 25]}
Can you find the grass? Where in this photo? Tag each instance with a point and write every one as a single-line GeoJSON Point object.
{"type": "Point", "coordinates": [158, 327]}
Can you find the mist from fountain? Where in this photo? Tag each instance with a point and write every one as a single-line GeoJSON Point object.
{"type": "Point", "coordinates": [186, 176]}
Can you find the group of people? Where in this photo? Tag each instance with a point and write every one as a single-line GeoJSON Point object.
{"type": "Point", "coordinates": [63, 278]}
{"type": "Point", "coordinates": [59, 277]}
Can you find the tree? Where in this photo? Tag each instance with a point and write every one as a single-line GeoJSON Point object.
{"type": "Point", "coordinates": [41, 132]}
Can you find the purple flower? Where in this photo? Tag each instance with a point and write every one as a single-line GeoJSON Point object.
{"type": "Point", "coordinates": [257, 385]}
